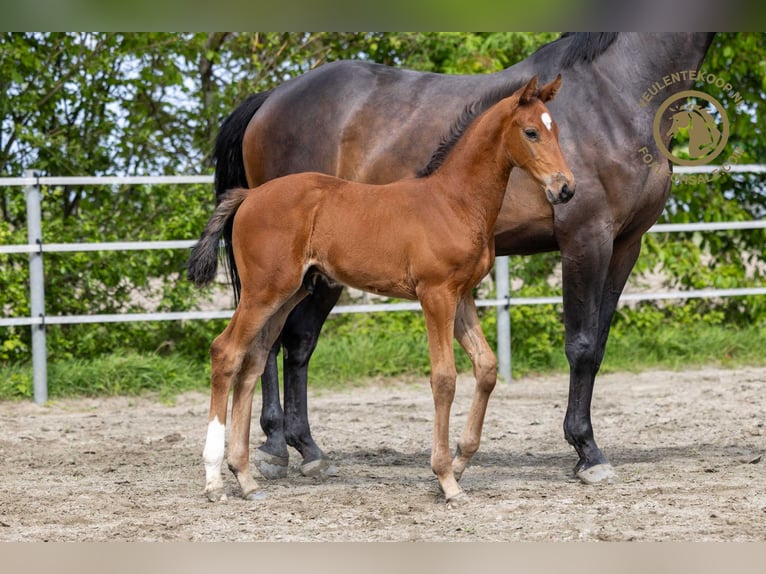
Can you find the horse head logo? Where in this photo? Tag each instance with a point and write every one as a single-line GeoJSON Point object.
{"type": "Point", "coordinates": [703, 133]}
{"type": "Point", "coordinates": [692, 126]}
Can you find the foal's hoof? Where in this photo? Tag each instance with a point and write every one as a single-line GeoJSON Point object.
{"type": "Point", "coordinates": [458, 500]}
{"type": "Point", "coordinates": [598, 474]}
{"type": "Point", "coordinates": [216, 495]}
{"type": "Point", "coordinates": [460, 463]}
{"type": "Point", "coordinates": [320, 468]}
{"type": "Point", "coordinates": [270, 465]}
{"type": "Point", "coordinates": [458, 471]}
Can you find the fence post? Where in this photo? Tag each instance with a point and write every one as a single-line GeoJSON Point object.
{"type": "Point", "coordinates": [503, 288]}
{"type": "Point", "coordinates": [37, 291]}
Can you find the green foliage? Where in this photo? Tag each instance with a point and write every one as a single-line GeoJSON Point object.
{"type": "Point", "coordinates": [683, 346]}
{"type": "Point", "coordinates": [537, 338]}
{"type": "Point", "coordinates": [110, 282]}
{"type": "Point", "coordinates": [741, 58]}
{"type": "Point", "coordinates": [470, 53]}
{"type": "Point", "coordinates": [120, 373]}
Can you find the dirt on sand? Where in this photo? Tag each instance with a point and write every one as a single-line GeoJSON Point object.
{"type": "Point", "coordinates": [687, 447]}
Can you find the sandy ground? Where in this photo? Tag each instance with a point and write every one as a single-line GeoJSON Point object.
{"type": "Point", "coordinates": [687, 446]}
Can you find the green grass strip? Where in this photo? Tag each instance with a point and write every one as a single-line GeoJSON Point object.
{"type": "Point", "coordinates": [352, 356]}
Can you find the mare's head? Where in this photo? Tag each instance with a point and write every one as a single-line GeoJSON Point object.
{"type": "Point", "coordinates": [532, 140]}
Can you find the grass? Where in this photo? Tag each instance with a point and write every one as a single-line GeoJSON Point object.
{"type": "Point", "coordinates": [687, 347]}
{"type": "Point", "coordinates": [120, 373]}
{"type": "Point", "coordinates": [345, 357]}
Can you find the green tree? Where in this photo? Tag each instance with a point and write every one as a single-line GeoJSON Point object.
{"type": "Point", "coordinates": [93, 104]}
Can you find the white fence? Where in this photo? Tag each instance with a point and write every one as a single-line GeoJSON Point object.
{"type": "Point", "coordinates": [36, 248]}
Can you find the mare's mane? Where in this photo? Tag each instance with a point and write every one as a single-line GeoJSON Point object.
{"type": "Point", "coordinates": [580, 47]}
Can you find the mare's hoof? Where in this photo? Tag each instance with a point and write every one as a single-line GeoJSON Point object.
{"type": "Point", "coordinates": [598, 474]}
{"type": "Point", "coordinates": [319, 468]}
{"type": "Point", "coordinates": [271, 466]}
{"type": "Point", "coordinates": [216, 495]}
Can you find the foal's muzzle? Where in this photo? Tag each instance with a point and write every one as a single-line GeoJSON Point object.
{"type": "Point", "coordinates": [566, 193]}
{"type": "Point", "coordinates": [561, 190]}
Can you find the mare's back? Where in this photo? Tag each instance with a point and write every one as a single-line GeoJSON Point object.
{"type": "Point", "coordinates": [357, 120]}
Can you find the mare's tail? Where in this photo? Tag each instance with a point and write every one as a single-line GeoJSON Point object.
{"type": "Point", "coordinates": [203, 261]}
{"type": "Point", "coordinates": [230, 169]}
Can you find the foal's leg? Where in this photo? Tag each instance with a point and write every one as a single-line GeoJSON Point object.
{"type": "Point", "coordinates": [468, 332]}
{"type": "Point", "coordinates": [238, 356]}
{"type": "Point", "coordinates": [252, 365]}
{"type": "Point", "coordinates": [241, 408]}
{"type": "Point", "coordinates": [226, 360]}
{"type": "Point", "coordinates": [439, 312]}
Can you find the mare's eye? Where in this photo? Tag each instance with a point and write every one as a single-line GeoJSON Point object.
{"type": "Point", "coordinates": [531, 134]}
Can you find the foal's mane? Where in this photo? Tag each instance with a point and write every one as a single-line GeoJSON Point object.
{"type": "Point", "coordinates": [580, 47]}
{"type": "Point", "coordinates": [462, 123]}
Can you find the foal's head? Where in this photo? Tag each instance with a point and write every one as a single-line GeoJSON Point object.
{"type": "Point", "coordinates": [532, 140]}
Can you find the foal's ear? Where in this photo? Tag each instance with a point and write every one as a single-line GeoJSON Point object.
{"type": "Point", "coordinates": [549, 91]}
{"type": "Point", "coordinates": [529, 91]}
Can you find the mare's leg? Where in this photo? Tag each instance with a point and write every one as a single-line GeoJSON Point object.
{"type": "Point", "coordinates": [271, 457]}
{"type": "Point", "coordinates": [299, 339]}
{"type": "Point", "coordinates": [439, 311]}
{"type": "Point", "coordinates": [468, 332]}
{"type": "Point", "coordinates": [593, 283]}
{"type": "Point", "coordinates": [291, 426]}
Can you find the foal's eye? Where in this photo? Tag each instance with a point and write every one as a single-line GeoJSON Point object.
{"type": "Point", "coordinates": [531, 134]}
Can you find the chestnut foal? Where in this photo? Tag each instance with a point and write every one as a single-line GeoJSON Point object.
{"type": "Point", "coordinates": [428, 238]}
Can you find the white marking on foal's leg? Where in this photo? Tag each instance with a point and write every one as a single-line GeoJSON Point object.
{"type": "Point", "coordinates": [547, 120]}
{"type": "Point", "coordinates": [213, 457]}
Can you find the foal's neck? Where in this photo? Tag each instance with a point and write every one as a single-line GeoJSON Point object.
{"type": "Point", "coordinates": [475, 173]}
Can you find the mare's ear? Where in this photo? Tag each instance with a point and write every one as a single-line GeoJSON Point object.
{"type": "Point", "coordinates": [529, 91]}
{"type": "Point", "coordinates": [549, 91]}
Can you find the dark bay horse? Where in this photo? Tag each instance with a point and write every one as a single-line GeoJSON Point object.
{"type": "Point", "coordinates": [372, 123]}
{"type": "Point", "coordinates": [429, 238]}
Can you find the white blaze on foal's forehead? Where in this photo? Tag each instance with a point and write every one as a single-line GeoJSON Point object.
{"type": "Point", "coordinates": [546, 117]}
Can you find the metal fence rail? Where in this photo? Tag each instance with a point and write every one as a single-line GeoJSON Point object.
{"type": "Point", "coordinates": [35, 248]}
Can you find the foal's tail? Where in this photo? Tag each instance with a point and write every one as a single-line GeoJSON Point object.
{"type": "Point", "coordinates": [203, 261]}
{"type": "Point", "coordinates": [230, 167]}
